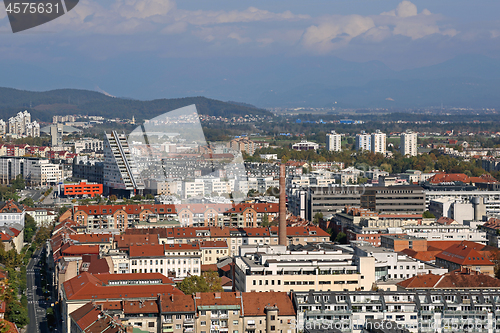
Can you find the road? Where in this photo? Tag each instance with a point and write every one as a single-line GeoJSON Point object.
{"type": "Point", "coordinates": [36, 301]}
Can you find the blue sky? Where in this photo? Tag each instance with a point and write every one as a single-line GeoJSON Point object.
{"type": "Point", "coordinates": [141, 34]}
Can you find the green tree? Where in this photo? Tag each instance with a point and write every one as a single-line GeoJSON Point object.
{"type": "Point", "coordinates": [318, 217]}
{"type": "Point", "coordinates": [18, 183]}
{"type": "Point", "coordinates": [149, 196]}
{"type": "Point", "coordinates": [137, 197]}
{"type": "Point", "coordinates": [428, 215]}
{"type": "Point", "coordinates": [28, 202]}
{"type": "Point", "coordinates": [341, 238]}
{"type": "Point", "coordinates": [29, 228]}
{"type": "Point", "coordinates": [113, 197]}
{"type": "Point", "coordinates": [16, 313]}
{"type": "Point", "coordinates": [265, 220]}
{"type": "Point", "coordinates": [207, 282]}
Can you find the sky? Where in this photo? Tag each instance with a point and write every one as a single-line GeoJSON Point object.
{"type": "Point", "coordinates": [126, 39]}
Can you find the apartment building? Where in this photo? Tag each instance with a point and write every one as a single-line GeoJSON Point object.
{"type": "Point", "coordinates": [178, 260]}
{"type": "Point", "coordinates": [244, 145]}
{"type": "Point", "coordinates": [202, 312]}
{"type": "Point", "coordinates": [21, 125]}
{"type": "Point", "coordinates": [318, 267]}
{"type": "Point", "coordinates": [453, 232]}
{"type": "Point", "coordinates": [333, 141]}
{"type": "Point", "coordinates": [430, 311]}
{"type": "Point", "coordinates": [88, 145]}
{"type": "Point", "coordinates": [235, 237]}
{"type": "Point", "coordinates": [408, 144]}
{"type": "Point", "coordinates": [392, 265]}
{"type": "Point", "coordinates": [212, 251]}
{"type": "Point", "coordinates": [363, 142]}
{"type": "Point", "coordinates": [378, 142]}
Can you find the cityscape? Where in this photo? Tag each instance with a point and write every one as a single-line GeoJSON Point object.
{"type": "Point", "coordinates": [232, 167]}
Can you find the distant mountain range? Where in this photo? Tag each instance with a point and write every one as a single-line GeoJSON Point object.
{"type": "Point", "coordinates": [46, 104]}
{"type": "Point", "coordinates": [465, 81]}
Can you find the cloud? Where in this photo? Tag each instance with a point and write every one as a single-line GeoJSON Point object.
{"type": "Point", "coordinates": [335, 32]}
{"type": "Point", "coordinates": [404, 9]}
{"type": "Point", "coordinates": [143, 8]}
{"type": "Point", "coordinates": [250, 14]}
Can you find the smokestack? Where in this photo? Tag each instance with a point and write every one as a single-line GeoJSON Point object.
{"type": "Point", "coordinates": [282, 220]}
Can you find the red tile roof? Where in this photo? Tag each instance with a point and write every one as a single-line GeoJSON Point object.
{"type": "Point", "coordinates": [125, 240]}
{"type": "Point", "coordinates": [213, 244]}
{"type": "Point", "coordinates": [254, 304]}
{"type": "Point", "coordinates": [87, 287]}
{"type": "Point", "coordinates": [459, 279]}
{"type": "Point", "coordinates": [463, 255]}
{"type": "Point", "coordinates": [91, 238]}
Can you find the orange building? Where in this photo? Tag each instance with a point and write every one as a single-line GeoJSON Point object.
{"type": "Point", "coordinates": [83, 188]}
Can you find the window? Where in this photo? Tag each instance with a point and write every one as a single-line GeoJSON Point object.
{"type": "Point", "coordinates": [178, 316]}
{"type": "Point", "coordinates": [151, 324]}
{"type": "Point", "coordinates": [254, 282]}
{"type": "Point", "coordinates": [178, 326]}
{"type": "Point", "coordinates": [203, 313]}
{"type": "Point", "coordinates": [235, 322]}
{"type": "Point", "coordinates": [203, 323]}
{"type": "Point", "coordinates": [273, 317]}
{"type": "Point", "coordinates": [273, 328]}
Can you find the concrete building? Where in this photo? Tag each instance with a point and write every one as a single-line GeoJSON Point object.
{"type": "Point", "coordinates": [21, 125]}
{"type": "Point", "coordinates": [121, 175]}
{"type": "Point", "coordinates": [88, 145]}
{"type": "Point", "coordinates": [378, 142]}
{"type": "Point", "coordinates": [56, 135]}
{"type": "Point", "coordinates": [305, 145]}
{"type": "Point", "coordinates": [456, 232]}
{"type": "Point", "coordinates": [408, 144]}
{"type": "Point", "coordinates": [391, 265]}
{"type": "Point", "coordinates": [318, 266]}
{"type": "Point", "coordinates": [329, 200]}
{"type": "Point", "coordinates": [425, 311]}
{"type": "Point", "coordinates": [363, 142]}
{"type": "Point", "coordinates": [333, 141]}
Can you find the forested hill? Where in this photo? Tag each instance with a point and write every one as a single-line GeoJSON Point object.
{"type": "Point", "coordinates": [43, 105]}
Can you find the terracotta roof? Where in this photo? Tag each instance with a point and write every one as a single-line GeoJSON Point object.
{"type": "Point", "coordinates": [125, 240]}
{"type": "Point", "coordinates": [94, 265]}
{"type": "Point", "coordinates": [258, 207]}
{"type": "Point", "coordinates": [146, 251]}
{"type": "Point", "coordinates": [177, 303]}
{"type": "Point", "coordinates": [446, 220]}
{"type": "Point", "coordinates": [443, 245]}
{"type": "Point", "coordinates": [461, 279]}
{"type": "Point", "coordinates": [225, 281]}
{"type": "Point", "coordinates": [68, 249]}
{"type": "Point", "coordinates": [222, 298]}
{"type": "Point", "coordinates": [129, 209]}
{"type": "Point", "coordinates": [422, 255]}
{"type": "Point", "coordinates": [462, 254]}
{"type": "Point", "coordinates": [91, 238]}
{"type": "Point", "coordinates": [8, 327]}
{"type": "Point", "coordinates": [87, 287]}
{"type": "Point", "coordinates": [255, 304]}
{"type": "Point", "coordinates": [90, 319]}
{"type": "Point", "coordinates": [207, 268]}
{"type": "Point", "coordinates": [213, 244]}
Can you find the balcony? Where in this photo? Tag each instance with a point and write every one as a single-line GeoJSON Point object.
{"type": "Point", "coordinates": [188, 329]}
{"type": "Point", "coordinates": [188, 321]}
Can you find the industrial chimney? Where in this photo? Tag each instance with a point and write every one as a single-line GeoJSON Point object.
{"type": "Point", "coordinates": [282, 220]}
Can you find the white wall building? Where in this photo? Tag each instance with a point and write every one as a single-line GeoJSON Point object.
{"type": "Point", "coordinates": [363, 142]}
{"type": "Point", "coordinates": [378, 142]}
{"type": "Point", "coordinates": [181, 259]}
{"type": "Point", "coordinates": [408, 144]}
{"type": "Point", "coordinates": [333, 141]}
{"type": "Point", "coordinates": [390, 265]}
{"type": "Point", "coordinates": [437, 232]}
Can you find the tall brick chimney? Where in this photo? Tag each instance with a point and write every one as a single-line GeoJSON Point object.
{"type": "Point", "coordinates": [282, 217]}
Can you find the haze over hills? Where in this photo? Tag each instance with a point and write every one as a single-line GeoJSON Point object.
{"type": "Point", "coordinates": [44, 105]}
{"type": "Point", "coordinates": [465, 81]}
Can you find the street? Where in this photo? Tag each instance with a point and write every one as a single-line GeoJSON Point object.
{"type": "Point", "coordinates": [36, 300]}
